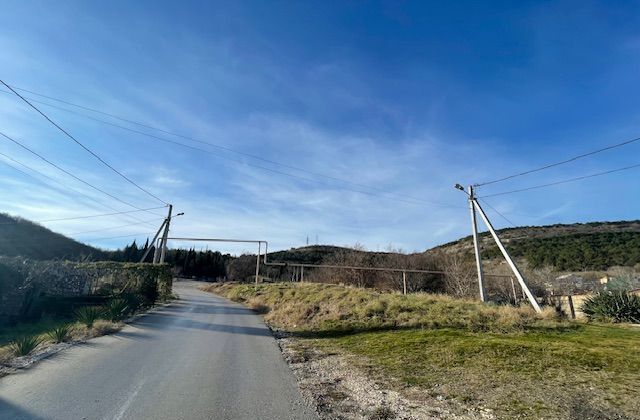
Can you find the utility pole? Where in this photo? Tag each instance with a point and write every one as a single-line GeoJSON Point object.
{"type": "Point", "coordinates": [476, 245]}
{"type": "Point", "coordinates": [153, 244]}
{"type": "Point", "coordinates": [160, 244]}
{"type": "Point", "coordinates": [476, 206]}
{"type": "Point", "coordinates": [507, 257]}
{"type": "Point", "coordinates": [163, 245]}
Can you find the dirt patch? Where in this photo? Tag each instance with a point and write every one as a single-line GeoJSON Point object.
{"type": "Point", "coordinates": [340, 390]}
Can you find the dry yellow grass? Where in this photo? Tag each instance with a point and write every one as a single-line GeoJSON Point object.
{"type": "Point", "coordinates": [325, 307]}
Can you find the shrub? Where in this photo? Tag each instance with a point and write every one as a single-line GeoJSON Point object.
{"type": "Point", "coordinates": [134, 301]}
{"type": "Point", "coordinates": [103, 327]}
{"type": "Point", "coordinates": [149, 290]}
{"type": "Point", "coordinates": [617, 306]}
{"type": "Point", "coordinates": [88, 315]}
{"type": "Point", "coordinates": [25, 345]}
{"type": "Point", "coordinates": [60, 334]}
{"type": "Point", "coordinates": [116, 309]}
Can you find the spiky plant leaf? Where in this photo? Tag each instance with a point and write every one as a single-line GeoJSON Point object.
{"type": "Point", "coordinates": [23, 346]}
{"type": "Point", "coordinates": [88, 315]}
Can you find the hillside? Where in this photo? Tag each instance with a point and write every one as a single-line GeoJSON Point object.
{"type": "Point", "coordinates": [578, 246]}
{"type": "Point", "coordinates": [567, 247]}
{"type": "Point", "coordinates": [311, 254]}
{"type": "Point", "coordinates": [20, 237]}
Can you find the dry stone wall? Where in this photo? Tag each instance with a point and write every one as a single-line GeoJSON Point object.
{"type": "Point", "coordinates": [25, 283]}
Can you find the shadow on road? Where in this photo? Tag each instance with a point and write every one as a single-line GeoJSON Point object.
{"type": "Point", "coordinates": [12, 411]}
{"type": "Point", "coordinates": [185, 324]}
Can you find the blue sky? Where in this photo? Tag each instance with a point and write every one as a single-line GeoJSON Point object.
{"type": "Point", "coordinates": [405, 97]}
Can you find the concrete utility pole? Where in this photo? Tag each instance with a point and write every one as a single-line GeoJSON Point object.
{"type": "Point", "coordinates": [153, 243]}
{"type": "Point", "coordinates": [507, 257]}
{"type": "Point", "coordinates": [476, 245]}
{"type": "Point", "coordinates": [163, 245]}
{"type": "Point", "coordinates": [473, 201]}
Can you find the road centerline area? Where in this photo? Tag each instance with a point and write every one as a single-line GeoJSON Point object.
{"type": "Point", "coordinates": [202, 357]}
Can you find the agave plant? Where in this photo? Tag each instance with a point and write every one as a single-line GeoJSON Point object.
{"type": "Point", "coordinates": [617, 306]}
{"type": "Point", "coordinates": [60, 334]}
{"type": "Point", "coordinates": [87, 315]}
{"type": "Point", "coordinates": [116, 309]}
{"type": "Point", "coordinates": [23, 346]}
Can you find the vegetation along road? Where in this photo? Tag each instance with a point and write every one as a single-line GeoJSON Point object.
{"type": "Point", "coordinates": [201, 357]}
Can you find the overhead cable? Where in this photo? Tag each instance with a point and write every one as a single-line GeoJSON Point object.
{"type": "Point", "coordinates": [625, 168]}
{"type": "Point", "coordinates": [129, 180]}
{"type": "Point", "coordinates": [551, 165]}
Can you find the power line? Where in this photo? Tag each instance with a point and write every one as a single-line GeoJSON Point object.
{"type": "Point", "coordinates": [114, 227]}
{"type": "Point", "coordinates": [563, 181]}
{"type": "Point", "coordinates": [83, 146]}
{"type": "Point", "coordinates": [67, 172]}
{"type": "Point", "coordinates": [119, 236]}
{"type": "Point", "coordinates": [66, 187]}
{"type": "Point", "coordinates": [86, 217]}
{"type": "Point", "coordinates": [499, 214]}
{"type": "Point", "coordinates": [613, 146]}
{"type": "Point", "coordinates": [415, 200]}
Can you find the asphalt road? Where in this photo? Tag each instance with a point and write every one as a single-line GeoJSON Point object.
{"type": "Point", "coordinates": [202, 357]}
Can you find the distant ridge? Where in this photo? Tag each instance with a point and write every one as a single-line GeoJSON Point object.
{"type": "Point", "coordinates": [21, 237]}
{"type": "Point", "coordinates": [574, 247]}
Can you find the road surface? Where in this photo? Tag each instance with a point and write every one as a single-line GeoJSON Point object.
{"type": "Point", "coordinates": [201, 357]}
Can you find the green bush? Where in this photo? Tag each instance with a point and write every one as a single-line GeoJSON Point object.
{"type": "Point", "coordinates": [116, 309]}
{"type": "Point", "coordinates": [149, 291]}
{"type": "Point", "coordinates": [617, 306]}
{"type": "Point", "coordinates": [87, 315]}
{"type": "Point", "coordinates": [25, 345]}
{"type": "Point", "coordinates": [60, 334]}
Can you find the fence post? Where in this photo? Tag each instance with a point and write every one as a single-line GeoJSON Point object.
{"type": "Point", "coordinates": [404, 282]}
{"type": "Point", "coordinates": [571, 308]}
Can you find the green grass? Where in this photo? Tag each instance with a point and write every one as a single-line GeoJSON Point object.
{"type": "Point", "coordinates": [8, 334]}
{"type": "Point", "coordinates": [518, 374]}
{"type": "Point", "coordinates": [510, 360]}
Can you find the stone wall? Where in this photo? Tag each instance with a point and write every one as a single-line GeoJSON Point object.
{"type": "Point", "coordinates": [25, 284]}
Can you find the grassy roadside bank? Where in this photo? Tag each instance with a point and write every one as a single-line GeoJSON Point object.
{"type": "Point", "coordinates": [40, 333]}
{"type": "Point", "coordinates": [510, 360]}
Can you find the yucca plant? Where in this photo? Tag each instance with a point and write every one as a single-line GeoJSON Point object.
{"type": "Point", "coordinates": [617, 306]}
{"type": "Point", "coordinates": [116, 309]}
{"type": "Point", "coordinates": [60, 334]}
{"type": "Point", "coordinates": [23, 346]}
{"type": "Point", "coordinates": [87, 315]}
